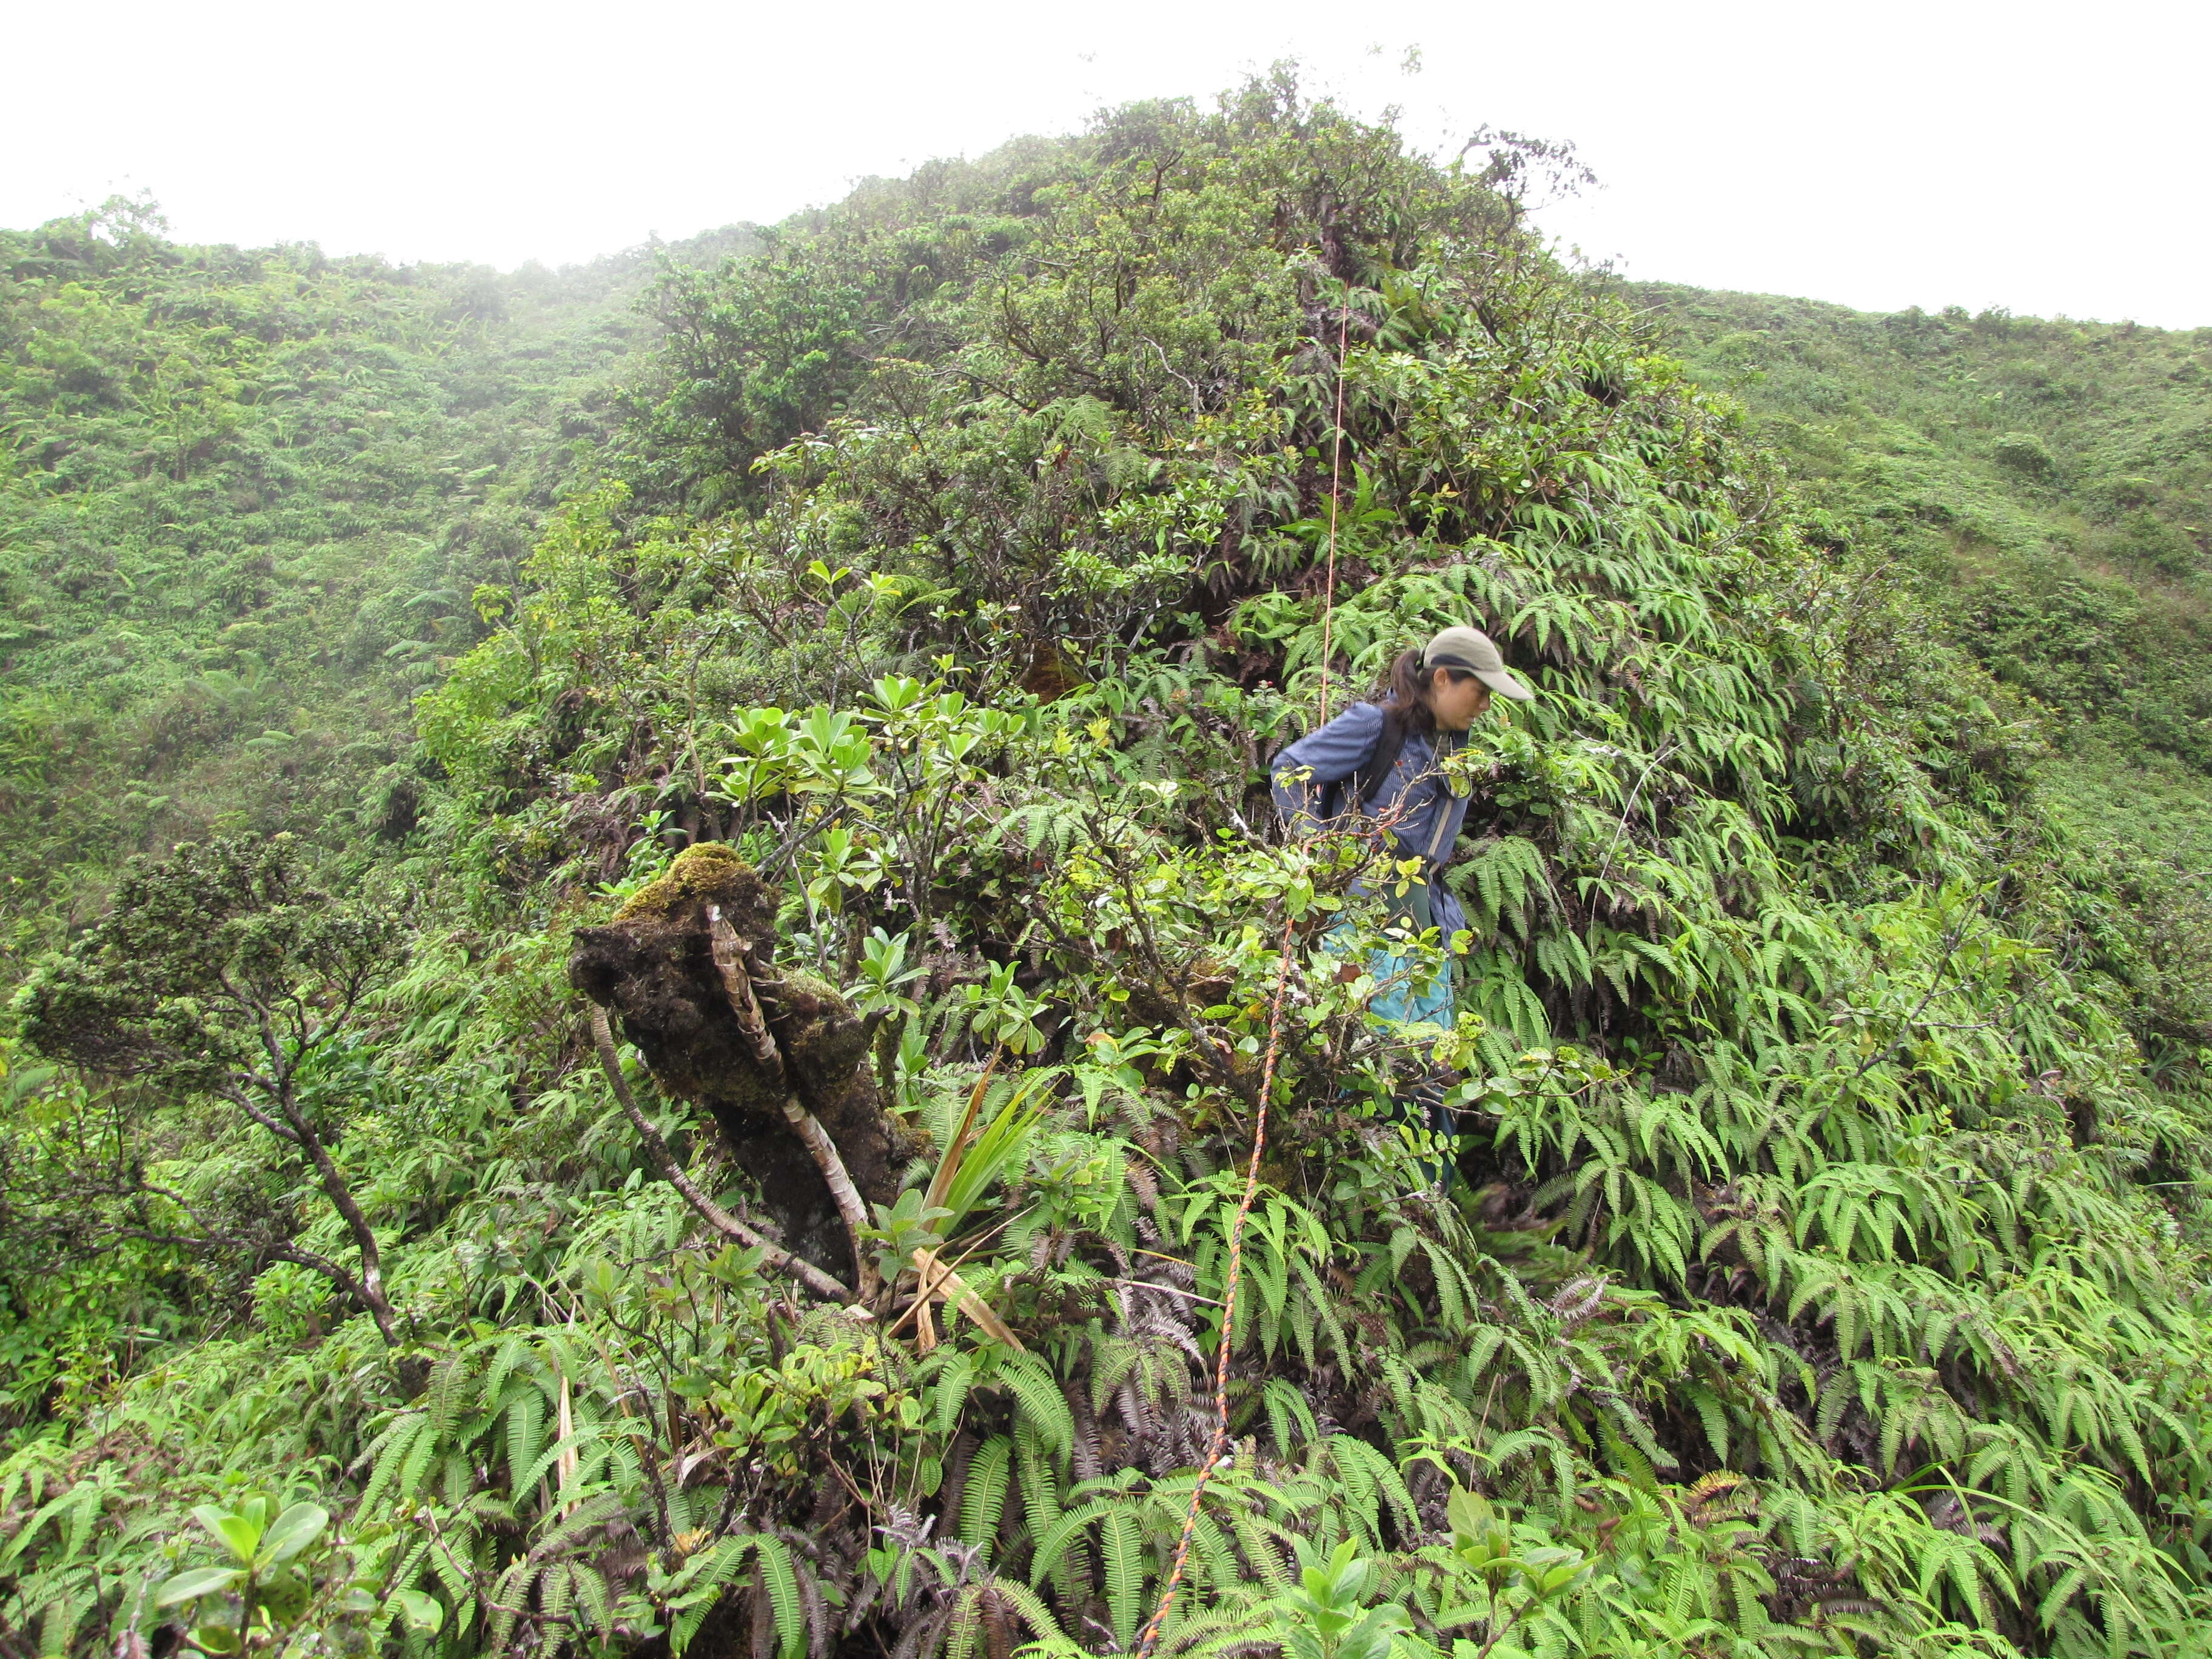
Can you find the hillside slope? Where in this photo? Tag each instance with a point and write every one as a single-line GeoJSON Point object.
{"type": "Point", "coordinates": [245, 497]}
{"type": "Point", "coordinates": [876, 741]}
{"type": "Point", "coordinates": [2053, 481]}
{"type": "Point", "coordinates": [2047, 486]}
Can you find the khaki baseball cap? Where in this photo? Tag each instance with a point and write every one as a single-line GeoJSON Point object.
{"type": "Point", "coordinates": [1470, 649]}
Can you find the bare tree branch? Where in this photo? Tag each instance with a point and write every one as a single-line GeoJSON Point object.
{"type": "Point", "coordinates": [712, 1213]}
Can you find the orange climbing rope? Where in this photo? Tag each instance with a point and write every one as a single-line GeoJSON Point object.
{"type": "Point", "coordinates": [1219, 1442]}
{"type": "Point", "coordinates": [1335, 480]}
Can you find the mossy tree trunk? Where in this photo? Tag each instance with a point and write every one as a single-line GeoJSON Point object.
{"type": "Point", "coordinates": [652, 968]}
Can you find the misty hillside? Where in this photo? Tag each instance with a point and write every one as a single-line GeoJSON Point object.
{"type": "Point", "coordinates": [2046, 488]}
{"type": "Point", "coordinates": [660, 1005]}
{"type": "Point", "coordinates": [248, 496]}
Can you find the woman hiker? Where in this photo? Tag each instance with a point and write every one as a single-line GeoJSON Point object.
{"type": "Point", "coordinates": [1382, 762]}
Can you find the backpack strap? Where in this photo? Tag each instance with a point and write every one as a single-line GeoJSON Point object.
{"type": "Point", "coordinates": [1360, 786]}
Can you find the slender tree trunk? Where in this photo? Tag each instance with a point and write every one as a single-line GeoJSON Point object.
{"type": "Point", "coordinates": [369, 1290]}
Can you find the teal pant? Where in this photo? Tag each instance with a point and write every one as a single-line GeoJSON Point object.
{"type": "Point", "coordinates": [1415, 991]}
{"type": "Point", "coordinates": [1411, 992]}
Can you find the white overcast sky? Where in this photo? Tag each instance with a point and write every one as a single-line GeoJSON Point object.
{"type": "Point", "coordinates": [2044, 158]}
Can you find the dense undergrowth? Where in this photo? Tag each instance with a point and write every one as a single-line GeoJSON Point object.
{"type": "Point", "coordinates": [2046, 484]}
{"type": "Point", "coordinates": [245, 499]}
{"type": "Point", "coordinates": [1825, 1271]}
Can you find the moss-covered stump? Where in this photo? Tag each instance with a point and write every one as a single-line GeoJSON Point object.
{"type": "Point", "coordinates": [653, 969]}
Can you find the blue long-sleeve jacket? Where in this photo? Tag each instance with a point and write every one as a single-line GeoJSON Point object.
{"type": "Point", "coordinates": [1429, 815]}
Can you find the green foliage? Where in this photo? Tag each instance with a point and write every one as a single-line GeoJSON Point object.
{"type": "Point", "coordinates": [264, 1588]}
{"type": "Point", "coordinates": [2045, 483]}
{"type": "Point", "coordinates": [220, 973]}
{"type": "Point", "coordinates": [245, 495]}
{"type": "Point", "coordinates": [1826, 1270]}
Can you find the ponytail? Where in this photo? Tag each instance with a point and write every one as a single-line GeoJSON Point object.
{"type": "Point", "coordinates": [1406, 708]}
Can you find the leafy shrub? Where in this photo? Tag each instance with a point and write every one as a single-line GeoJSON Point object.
{"type": "Point", "coordinates": [1825, 1272]}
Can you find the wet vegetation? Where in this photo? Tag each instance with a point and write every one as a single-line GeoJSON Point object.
{"type": "Point", "coordinates": [782, 1031]}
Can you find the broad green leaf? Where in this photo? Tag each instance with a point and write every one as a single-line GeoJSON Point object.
{"type": "Point", "coordinates": [291, 1532]}
{"type": "Point", "coordinates": [420, 1612]}
{"type": "Point", "coordinates": [235, 1533]}
{"type": "Point", "coordinates": [194, 1582]}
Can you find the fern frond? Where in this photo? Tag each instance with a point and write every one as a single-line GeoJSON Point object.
{"type": "Point", "coordinates": [985, 1498]}
{"type": "Point", "coordinates": [779, 1579]}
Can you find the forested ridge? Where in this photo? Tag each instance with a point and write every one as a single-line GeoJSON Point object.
{"type": "Point", "coordinates": [248, 497]}
{"type": "Point", "coordinates": [657, 1007]}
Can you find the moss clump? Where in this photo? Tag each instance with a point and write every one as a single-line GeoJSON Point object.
{"type": "Point", "coordinates": [823, 1034]}
{"type": "Point", "coordinates": [710, 872]}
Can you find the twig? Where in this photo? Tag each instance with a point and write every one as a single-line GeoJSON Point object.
{"type": "Point", "coordinates": [1219, 1444]}
{"type": "Point", "coordinates": [714, 1215]}
{"type": "Point", "coordinates": [1164, 1290]}
{"type": "Point", "coordinates": [729, 953]}
{"type": "Point", "coordinates": [1958, 937]}
{"type": "Point", "coordinates": [1628, 811]}
{"type": "Point", "coordinates": [1329, 607]}
{"type": "Point", "coordinates": [1499, 1636]}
